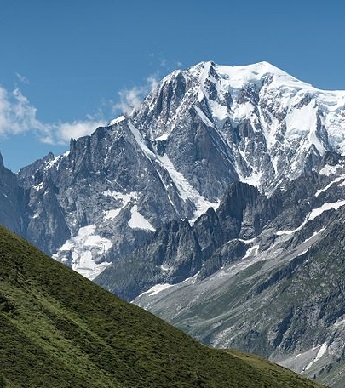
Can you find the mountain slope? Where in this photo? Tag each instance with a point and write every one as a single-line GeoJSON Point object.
{"type": "Point", "coordinates": [288, 309]}
{"type": "Point", "coordinates": [12, 203]}
{"type": "Point", "coordinates": [157, 207]}
{"type": "Point", "coordinates": [266, 275]}
{"type": "Point", "coordinates": [58, 329]}
{"type": "Point", "coordinates": [174, 157]}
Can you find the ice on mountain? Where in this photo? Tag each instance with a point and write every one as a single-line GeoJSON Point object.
{"type": "Point", "coordinates": [267, 127]}
{"type": "Point", "coordinates": [339, 179]}
{"type": "Point", "coordinates": [38, 187]}
{"type": "Point", "coordinates": [117, 120]}
{"type": "Point", "coordinates": [112, 213]}
{"type": "Point", "coordinates": [157, 289]}
{"type": "Point", "coordinates": [322, 350]}
{"type": "Point", "coordinates": [186, 190]}
{"type": "Point", "coordinates": [203, 117]}
{"type": "Point", "coordinates": [140, 141]}
{"type": "Point", "coordinates": [325, 207]}
{"type": "Point", "coordinates": [316, 212]}
{"type": "Point", "coordinates": [85, 248]}
{"type": "Point", "coordinates": [124, 198]}
{"type": "Point", "coordinates": [138, 221]}
{"type": "Point", "coordinates": [163, 137]}
{"type": "Point", "coordinates": [328, 170]}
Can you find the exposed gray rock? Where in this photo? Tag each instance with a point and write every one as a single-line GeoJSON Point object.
{"type": "Point", "coordinates": [214, 204]}
{"type": "Point", "coordinates": [279, 291]}
{"type": "Point", "coordinates": [12, 201]}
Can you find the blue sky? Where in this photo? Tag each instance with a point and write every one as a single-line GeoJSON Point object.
{"type": "Point", "coordinates": [66, 66]}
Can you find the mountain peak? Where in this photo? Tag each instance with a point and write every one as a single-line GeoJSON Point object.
{"type": "Point", "coordinates": [237, 76]}
{"type": "Point", "coordinates": [197, 132]}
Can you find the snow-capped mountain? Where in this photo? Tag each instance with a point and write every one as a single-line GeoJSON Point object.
{"type": "Point", "coordinates": [264, 125]}
{"type": "Point", "coordinates": [263, 274]}
{"type": "Point", "coordinates": [174, 157]}
{"type": "Point", "coordinates": [158, 205]}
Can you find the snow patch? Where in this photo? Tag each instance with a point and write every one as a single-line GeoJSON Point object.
{"type": "Point", "coordinates": [117, 120]}
{"type": "Point", "coordinates": [186, 190]}
{"type": "Point", "coordinates": [314, 234]}
{"type": "Point", "coordinates": [247, 241]}
{"type": "Point", "coordinates": [328, 170]}
{"type": "Point", "coordinates": [140, 141]}
{"type": "Point", "coordinates": [241, 75]}
{"type": "Point", "coordinates": [38, 187]}
{"type": "Point", "coordinates": [112, 213]}
{"type": "Point", "coordinates": [242, 111]}
{"type": "Point", "coordinates": [339, 179]}
{"type": "Point", "coordinates": [138, 221]}
{"type": "Point", "coordinates": [166, 268]}
{"type": "Point", "coordinates": [312, 215]}
{"type": "Point", "coordinates": [123, 198]}
{"type": "Point", "coordinates": [85, 248]}
{"type": "Point", "coordinates": [53, 162]}
{"type": "Point", "coordinates": [163, 137]}
{"type": "Point", "coordinates": [254, 179]}
{"type": "Point", "coordinates": [339, 322]}
{"type": "Point", "coordinates": [325, 207]}
{"type": "Point", "coordinates": [321, 352]}
{"type": "Point", "coordinates": [219, 112]}
{"type": "Point", "coordinates": [301, 123]}
{"type": "Point", "coordinates": [156, 289]}
{"type": "Point", "coordinates": [203, 117]}
{"type": "Point", "coordinates": [251, 251]}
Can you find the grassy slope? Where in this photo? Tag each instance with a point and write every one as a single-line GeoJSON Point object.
{"type": "Point", "coordinates": [57, 329]}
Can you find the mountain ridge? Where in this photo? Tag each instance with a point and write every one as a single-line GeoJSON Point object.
{"type": "Point", "coordinates": [59, 329]}
{"type": "Point", "coordinates": [143, 207]}
{"type": "Point", "coordinates": [197, 132]}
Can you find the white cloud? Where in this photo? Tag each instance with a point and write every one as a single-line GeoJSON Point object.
{"type": "Point", "coordinates": [163, 62]}
{"type": "Point", "coordinates": [22, 79]}
{"type": "Point", "coordinates": [130, 99]}
{"type": "Point", "coordinates": [169, 65]}
{"type": "Point", "coordinates": [76, 129]}
{"type": "Point", "coordinates": [152, 82]}
{"type": "Point", "coordinates": [16, 113]}
{"type": "Point", "coordinates": [62, 133]}
{"type": "Point", "coordinates": [18, 116]}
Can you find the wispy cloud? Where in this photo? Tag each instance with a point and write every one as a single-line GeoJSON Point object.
{"type": "Point", "coordinates": [166, 64]}
{"type": "Point", "coordinates": [170, 65]}
{"type": "Point", "coordinates": [17, 116]}
{"type": "Point", "coordinates": [62, 133]}
{"type": "Point", "coordinates": [22, 79]}
{"type": "Point", "coordinates": [130, 99]}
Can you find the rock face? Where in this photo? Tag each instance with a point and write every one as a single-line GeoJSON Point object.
{"type": "Point", "coordinates": [210, 204]}
{"type": "Point", "coordinates": [264, 274]}
{"type": "Point", "coordinates": [175, 156]}
{"type": "Point", "coordinates": [12, 203]}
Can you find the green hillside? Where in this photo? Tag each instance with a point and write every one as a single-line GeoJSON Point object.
{"type": "Point", "coordinates": [58, 329]}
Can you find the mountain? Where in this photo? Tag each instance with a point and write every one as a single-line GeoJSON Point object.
{"type": "Point", "coordinates": [58, 329]}
{"type": "Point", "coordinates": [260, 274]}
{"type": "Point", "coordinates": [174, 157]}
{"type": "Point", "coordinates": [207, 205]}
{"type": "Point", "coordinates": [12, 203]}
